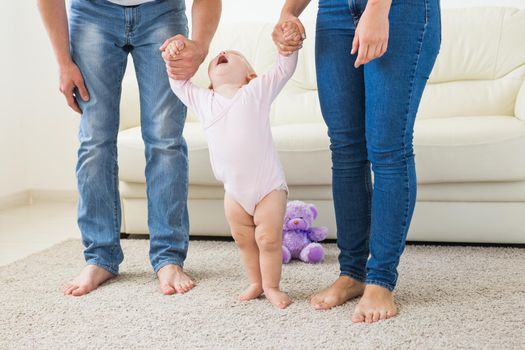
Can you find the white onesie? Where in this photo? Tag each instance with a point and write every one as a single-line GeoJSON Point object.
{"type": "Point", "coordinates": [242, 152]}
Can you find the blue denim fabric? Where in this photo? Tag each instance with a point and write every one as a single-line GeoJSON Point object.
{"type": "Point", "coordinates": [370, 113]}
{"type": "Point", "coordinates": [102, 35]}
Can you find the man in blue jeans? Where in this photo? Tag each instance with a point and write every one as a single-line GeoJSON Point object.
{"type": "Point", "coordinates": [92, 47]}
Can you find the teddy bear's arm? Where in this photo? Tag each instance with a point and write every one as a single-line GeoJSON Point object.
{"type": "Point", "coordinates": [317, 234]}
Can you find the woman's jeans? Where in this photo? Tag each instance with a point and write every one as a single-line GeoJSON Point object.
{"type": "Point", "coordinates": [370, 113]}
{"type": "Point", "coordinates": [102, 35]}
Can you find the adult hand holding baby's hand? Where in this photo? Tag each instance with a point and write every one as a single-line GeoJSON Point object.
{"type": "Point", "coordinates": [182, 56]}
{"type": "Point", "coordinates": [288, 35]}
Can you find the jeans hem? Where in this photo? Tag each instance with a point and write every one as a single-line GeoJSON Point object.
{"type": "Point", "coordinates": [168, 262]}
{"type": "Point", "coordinates": [104, 266]}
{"type": "Point", "coordinates": [381, 284]}
{"type": "Point", "coordinates": [353, 276]}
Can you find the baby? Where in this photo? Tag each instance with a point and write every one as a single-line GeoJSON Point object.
{"type": "Point", "coordinates": [235, 111]}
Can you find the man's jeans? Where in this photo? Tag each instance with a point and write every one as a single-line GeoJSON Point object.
{"type": "Point", "coordinates": [370, 113]}
{"type": "Point", "coordinates": [102, 35]}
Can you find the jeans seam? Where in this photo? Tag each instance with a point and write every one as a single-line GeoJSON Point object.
{"type": "Point", "coordinates": [104, 266]}
{"type": "Point", "coordinates": [413, 78]}
{"type": "Point", "coordinates": [160, 265]}
{"type": "Point", "coordinates": [114, 168]}
{"type": "Point", "coordinates": [388, 286]}
{"type": "Point", "coordinates": [353, 276]}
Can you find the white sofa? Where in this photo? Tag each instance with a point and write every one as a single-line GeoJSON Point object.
{"type": "Point", "coordinates": [469, 135]}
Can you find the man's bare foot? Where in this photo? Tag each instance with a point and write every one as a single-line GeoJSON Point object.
{"type": "Point", "coordinates": [88, 280]}
{"type": "Point", "coordinates": [376, 304]}
{"type": "Point", "coordinates": [342, 290]}
{"type": "Point", "coordinates": [173, 280]}
{"type": "Point", "coordinates": [277, 297]}
{"type": "Point", "coordinates": [253, 291]}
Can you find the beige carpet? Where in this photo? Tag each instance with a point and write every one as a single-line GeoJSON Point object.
{"type": "Point", "coordinates": [449, 297]}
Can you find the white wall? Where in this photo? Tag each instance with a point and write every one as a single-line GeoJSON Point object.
{"type": "Point", "coordinates": [12, 142]}
{"type": "Point", "coordinates": [38, 133]}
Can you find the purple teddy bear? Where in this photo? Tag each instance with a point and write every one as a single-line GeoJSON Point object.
{"type": "Point", "coordinates": [299, 237]}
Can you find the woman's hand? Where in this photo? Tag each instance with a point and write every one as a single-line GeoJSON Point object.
{"type": "Point", "coordinates": [371, 34]}
{"type": "Point", "coordinates": [286, 38]}
{"type": "Point", "coordinates": [183, 65]}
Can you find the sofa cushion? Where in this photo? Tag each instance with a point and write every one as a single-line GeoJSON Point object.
{"type": "Point", "coordinates": [464, 149]}
{"type": "Point", "coordinates": [457, 149]}
{"type": "Point", "coordinates": [303, 149]}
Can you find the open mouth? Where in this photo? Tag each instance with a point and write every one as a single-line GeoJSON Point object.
{"type": "Point", "coordinates": [222, 59]}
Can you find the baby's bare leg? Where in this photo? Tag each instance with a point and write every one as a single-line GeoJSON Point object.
{"type": "Point", "coordinates": [268, 219]}
{"type": "Point", "coordinates": [243, 231]}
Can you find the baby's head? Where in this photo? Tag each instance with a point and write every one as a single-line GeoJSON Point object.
{"type": "Point", "coordinates": [230, 67]}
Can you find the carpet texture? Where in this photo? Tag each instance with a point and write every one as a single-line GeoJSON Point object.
{"type": "Point", "coordinates": [448, 298]}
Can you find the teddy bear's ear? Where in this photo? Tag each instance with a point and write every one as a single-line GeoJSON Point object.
{"type": "Point", "coordinates": [314, 210]}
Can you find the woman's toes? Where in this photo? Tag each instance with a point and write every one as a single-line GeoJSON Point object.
{"type": "Point", "coordinates": [358, 317]}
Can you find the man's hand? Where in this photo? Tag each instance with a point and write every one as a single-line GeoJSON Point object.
{"type": "Point", "coordinates": [71, 84]}
{"type": "Point", "coordinates": [288, 35]}
{"type": "Point", "coordinates": [185, 63]}
{"type": "Point", "coordinates": [371, 34]}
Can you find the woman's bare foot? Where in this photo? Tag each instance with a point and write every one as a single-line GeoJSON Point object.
{"type": "Point", "coordinates": [253, 291]}
{"type": "Point", "coordinates": [173, 280]}
{"type": "Point", "coordinates": [342, 290]}
{"type": "Point", "coordinates": [376, 304]}
{"type": "Point", "coordinates": [277, 298]}
{"type": "Point", "coordinates": [88, 280]}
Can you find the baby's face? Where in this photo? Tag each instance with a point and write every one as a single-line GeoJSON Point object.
{"type": "Point", "coordinates": [230, 67]}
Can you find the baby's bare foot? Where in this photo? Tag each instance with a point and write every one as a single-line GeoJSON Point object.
{"type": "Point", "coordinates": [342, 290]}
{"type": "Point", "coordinates": [88, 280]}
{"type": "Point", "coordinates": [376, 304]}
{"type": "Point", "coordinates": [253, 291]}
{"type": "Point", "coordinates": [277, 298]}
{"type": "Point", "coordinates": [175, 47]}
{"type": "Point", "coordinates": [173, 280]}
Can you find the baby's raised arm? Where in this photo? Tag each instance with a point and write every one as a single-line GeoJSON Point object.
{"type": "Point", "coordinates": [272, 82]}
{"type": "Point", "coordinates": [194, 97]}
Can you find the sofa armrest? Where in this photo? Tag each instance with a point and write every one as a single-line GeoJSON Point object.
{"type": "Point", "coordinates": [519, 107]}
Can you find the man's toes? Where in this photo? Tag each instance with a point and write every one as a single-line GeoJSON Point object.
{"type": "Point", "coordinates": [166, 289]}
{"type": "Point", "coordinates": [81, 290]}
{"type": "Point", "coordinates": [358, 317]}
{"type": "Point", "coordinates": [178, 288]}
{"type": "Point", "coordinates": [70, 289]}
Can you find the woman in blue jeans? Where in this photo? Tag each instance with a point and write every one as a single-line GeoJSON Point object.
{"type": "Point", "coordinates": [373, 59]}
